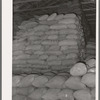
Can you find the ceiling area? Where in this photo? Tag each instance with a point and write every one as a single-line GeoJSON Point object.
{"type": "Point", "coordinates": [30, 8]}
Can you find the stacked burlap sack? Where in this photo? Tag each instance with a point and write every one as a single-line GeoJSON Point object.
{"type": "Point", "coordinates": [78, 85]}
{"type": "Point", "coordinates": [52, 42]}
{"type": "Point", "coordinates": [91, 48]}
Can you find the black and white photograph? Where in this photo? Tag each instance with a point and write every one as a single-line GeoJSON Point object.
{"type": "Point", "coordinates": [54, 50]}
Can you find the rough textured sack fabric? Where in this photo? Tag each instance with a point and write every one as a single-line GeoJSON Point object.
{"type": "Point", "coordinates": [44, 17]}
{"type": "Point", "coordinates": [51, 94]}
{"type": "Point", "coordinates": [38, 93]}
{"type": "Point", "coordinates": [54, 86]}
{"type": "Point", "coordinates": [52, 16]}
{"type": "Point", "coordinates": [82, 95]}
{"type": "Point", "coordinates": [89, 79]}
{"type": "Point", "coordinates": [19, 97]}
{"type": "Point", "coordinates": [26, 81]}
{"type": "Point", "coordinates": [42, 42]}
{"type": "Point", "coordinates": [78, 69]}
{"type": "Point", "coordinates": [60, 16]}
{"type": "Point", "coordinates": [40, 81]}
{"type": "Point", "coordinates": [66, 94]}
{"type": "Point", "coordinates": [56, 82]}
{"type": "Point", "coordinates": [27, 25]}
{"type": "Point", "coordinates": [74, 83]}
{"type": "Point", "coordinates": [16, 80]}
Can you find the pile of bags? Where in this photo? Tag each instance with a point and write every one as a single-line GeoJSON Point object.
{"type": "Point", "coordinates": [91, 48]}
{"type": "Point", "coordinates": [49, 42]}
{"type": "Point", "coordinates": [79, 84]}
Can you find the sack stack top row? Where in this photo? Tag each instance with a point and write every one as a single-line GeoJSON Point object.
{"type": "Point", "coordinates": [53, 42]}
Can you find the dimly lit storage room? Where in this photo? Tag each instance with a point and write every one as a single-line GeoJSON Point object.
{"type": "Point", "coordinates": [54, 50]}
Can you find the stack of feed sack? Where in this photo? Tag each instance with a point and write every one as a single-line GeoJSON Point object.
{"type": "Point", "coordinates": [79, 84]}
{"type": "Point", "coordinates": [51, 42]}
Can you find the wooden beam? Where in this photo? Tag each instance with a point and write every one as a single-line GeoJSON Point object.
{"type": "Point", "coordinates": [88, 2]}
{"type": "Point", "coordinates": [91, 19]}
{"type": "Point", "coordinates": [92, 23]}
{"type": "Point", "coordinates": [49, 7]}
{"type": "Point", "coordinates": [53, 2]}
{"type": "Point", "coordinates": [90, 14]}
{"type": "Point", "coordinates": [25, 1]}
{"type": "Point", "coordinates": [45, 3]}
{"type": "Point", "coordinates": [89, 9]}
{"type": "Point", "coordinates": [88, 6]}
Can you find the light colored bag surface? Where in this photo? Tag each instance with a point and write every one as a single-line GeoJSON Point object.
{"type": "Point", "coordinates": [19, 97]}
{"type": "Point", "coordinates": [41, 28]}
{"type": "Point", "coordinates": [51, 94]}
{"type": "Point", "coordinates": [47, 36]}
{"type": "Point", "coordinates": [67, 21]}
{"type": "Point", "coordinates": [82, 95]}
{"type": "Point", "coordinates": [52, 16]}
{"type": "Point", "coordinates": [78, 69]}
{"type": "Point", "coordinates": [38, 93]}
{"type": "Point", "coordinates": [58, 26]}
{"type": "Point", "coordinates": [53, 86]}
{"type": "Point", "coordinates": [16, 80]}
{"type": "Point", "coordinates": [26, 81]}
{"type": "Point", "coordinates": [74, 83]}
{"type": "Point", "coordinates": [28, 25]}
{"type": "Point", "coordinates": [56, 82]}
{"type": "Point", "coordinates": [40, 81]}
{"type": "Point", "coordinates": [89, 79]}
{"type": "Point", "coordinates": [43, 17]}
{"type": "Point", "coordinates": [58, 17]}
{"type": "Point", "coordinates": [66, 94]}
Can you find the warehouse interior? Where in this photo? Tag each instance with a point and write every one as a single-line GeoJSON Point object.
{"type": "Point", "coordinates": [26, 9]}
{"type": "Point", "coordinates": [54, 50]}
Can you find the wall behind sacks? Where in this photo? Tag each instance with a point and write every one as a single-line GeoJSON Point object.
{"type": "Point", "coordinates": [72, 6]}
{"type": "Point", "coordinates": [59, 7]}
{"type": "Point", "coordinates": [54, 42]}
{"type": "Point", "coordinates": [17, 19]}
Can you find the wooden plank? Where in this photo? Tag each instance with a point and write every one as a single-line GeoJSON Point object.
{"type": "Point", "coordinates": [25, 1]}
{"type": "Point", "coordinates": [91, 14]}
{"type": "Point", "coordinates": [89, 2]}
{"type": "Point", "coordinates": [91, 19]}
{"type": "Point", "coordinates": [49, 7]}
{"type": "Point", "coordinates": [45, 3]}
{"type": "Point", "coordinates": [88, 6]}
{"type": "Point", "coordinates": [92, 23]}
{"type": "Point", "coordinates": [53, 3]}
{"type": "Point", "coordinates": [89, 9]}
